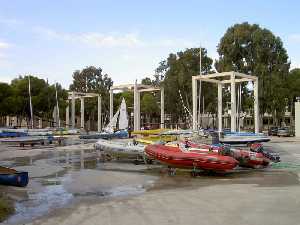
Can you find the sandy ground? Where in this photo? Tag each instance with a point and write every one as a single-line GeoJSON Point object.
{"type": "Point", "coordinates": [258, 198]}
{"type": "Point", "coordinates": [215, 205]}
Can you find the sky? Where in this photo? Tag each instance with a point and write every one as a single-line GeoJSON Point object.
{"type": "Point", "coordinates": [127, 39]}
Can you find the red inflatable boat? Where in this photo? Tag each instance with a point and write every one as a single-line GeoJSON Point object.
{"type": "Point", "coordinates": [179, 158]}
{"type": "Point", "coordinates": [245, 157]}
{"type": "Point", "coordinates": [250, 159]}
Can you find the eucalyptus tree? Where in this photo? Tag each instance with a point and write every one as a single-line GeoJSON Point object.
{"type": "Point", "coordinates": [92, 79]}
{"type": "Point", "coordinates": [250, 49]}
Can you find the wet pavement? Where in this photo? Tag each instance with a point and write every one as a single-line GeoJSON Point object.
{"type": "Point", "coordinates": [62, 179]}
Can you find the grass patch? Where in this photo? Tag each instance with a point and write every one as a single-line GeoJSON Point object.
{"type": "Point", "coordinates": [6, 207]}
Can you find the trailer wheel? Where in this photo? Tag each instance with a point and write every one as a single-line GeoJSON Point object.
{"type": "Point", "coordinates": [193, 173]}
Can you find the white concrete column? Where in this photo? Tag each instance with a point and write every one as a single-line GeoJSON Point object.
{"type": "Point", "coordinates": [138, 118]}
{"type": "Point", "coordinates": [73, 110]}
{"type": "Point", "coordinates": [220, 107]}
{"type": "Point", "coordinates": [7, 121]}
{"type": "Point", "coordinates": [297, 119]}
{"type": "Point", "coordinates": [99, 113]}
{"type": "Point", "coordinates": [233, 103]}
{"type": "Point", "coordinates": [135, 108]}
{"type": "Point", "coordinates": [82, 112]}
{"type": "Point", "coordinates": [111, 104]}
{"type": "Point", "coordinates": [40, 123]}
{"type": "Point", "coordinates": [67, 114]}
{"type": "Point", "coordinates": [194, 96]}
{"type": "Point", "coordinates": [256, 107]}
{"type": "Point", "coordinates": [162, 108]}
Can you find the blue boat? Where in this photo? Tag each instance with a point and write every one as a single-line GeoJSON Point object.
{"type": "Point", "coordinates": [4, 134]}
{"type": "Point", "coordinates": [12, 177]}
{"type": "Point", "coordinates": [117, 134]}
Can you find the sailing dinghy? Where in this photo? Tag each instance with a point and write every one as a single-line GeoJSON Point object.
{"type": "Point", "coordinates": [109, 131]}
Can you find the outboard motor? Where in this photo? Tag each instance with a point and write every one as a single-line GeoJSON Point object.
{"type": "Point", "coordinates": [215, 138]}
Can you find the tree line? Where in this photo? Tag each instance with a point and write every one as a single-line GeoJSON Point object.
{"type": "Point", "coordinates": [246, 48]}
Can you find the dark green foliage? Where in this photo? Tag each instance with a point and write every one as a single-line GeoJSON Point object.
{"type": "Point", "coordinates": [175, 74]}
{"type": "Point", "coordinates": [91, 79]}
{"type": "Point", "coordinates": [15, 97]}
{"type": "Point", "coordinates": [253, 50]}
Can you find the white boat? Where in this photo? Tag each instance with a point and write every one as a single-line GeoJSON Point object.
{"type": "Point", "coordinates": [243, 138]}
{"type": "Point", "coordinates": [39, 132]}
{"type": "Point", "coordinates": [118, 147]}
{"type": "Point", "coordinates": [119, 118]}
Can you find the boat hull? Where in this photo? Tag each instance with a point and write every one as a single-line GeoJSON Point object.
{"type": "Point", "coordinates": [120, 148]}
{"type": "Point", "coordinates": [246, 158]}
{"type": "Point", "coordinates": [175, 157]}
{"type": "Point", "coordinates": [117, 134]}
{"type": "Point", "coordinates": [18, 179]}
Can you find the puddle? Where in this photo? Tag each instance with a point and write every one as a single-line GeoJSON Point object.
{"type": "Point", "coordinates": [60, 179]}
{"type": "Point", "coordinates": [40, 203]}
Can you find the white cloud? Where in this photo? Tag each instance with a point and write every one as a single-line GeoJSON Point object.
{"type": "Point", "coordinates": [96, 39]}
{"type": "Point", "coordinates": [93, 38]}
{"type": "Point", "coordinates": [101, 40]}
{"type": "Point", "coordinates": [4, 45]}
{"type": "Point", "coordinates": [10, 22]}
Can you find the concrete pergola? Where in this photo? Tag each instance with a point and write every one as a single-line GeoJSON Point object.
{"type": "Point", "coordinates": [137, 90]}
{"type": "Point", "coordinates": [226, 78]}
{"type": "Point", "coordinates": [78, 95]}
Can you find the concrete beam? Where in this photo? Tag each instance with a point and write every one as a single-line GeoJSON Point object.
{"type": "Point", "coordinates": [237, 74]}
{"type": "Point", "coordinates": [123, 87]}
{"type": "Point", "coordinates": [209, 80]}
{"type": "Point", "coordinates": [149, 90]}
{"type": "Point", "coordinates": [240, 80]}
{"type": "Point", "coordinates": [209, 76]}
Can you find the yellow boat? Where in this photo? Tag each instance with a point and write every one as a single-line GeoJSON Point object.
{"type": "Point", "coordinates": [149, 132]}
{"type": "Point", "coordinates": [152, 139]}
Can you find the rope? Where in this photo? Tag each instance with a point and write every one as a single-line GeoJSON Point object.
{"type": "Point", "coordinates": [186, 110]}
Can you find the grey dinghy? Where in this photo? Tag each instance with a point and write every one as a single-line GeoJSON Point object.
{"type": "Point", "coordinates": [120, 147]}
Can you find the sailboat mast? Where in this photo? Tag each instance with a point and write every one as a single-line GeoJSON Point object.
{"type": "Point", "coordinates": [199, 98]}
{"type": "Point", "coordinates": [57, 108]}
{"type": "Point", "coordinates": [30, 103]}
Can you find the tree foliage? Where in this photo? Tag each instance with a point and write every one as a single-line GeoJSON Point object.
{"type": "Point", "coordinates": [92, 79]}
{"type": "Point", "coordinates": [15, 97]}
{"type": "Point", "coordinates": [175, 74]}
{"type": "Point", "coordinates": [251, 49]}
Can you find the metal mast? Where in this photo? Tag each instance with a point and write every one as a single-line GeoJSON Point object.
{"type": "Point", "coordinates": [30, 103]}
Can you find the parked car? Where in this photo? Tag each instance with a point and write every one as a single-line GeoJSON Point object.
{"type": "Point", "coordinates": [285, 132]}
{"type": "Point", "coordinates": [273, 131]}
